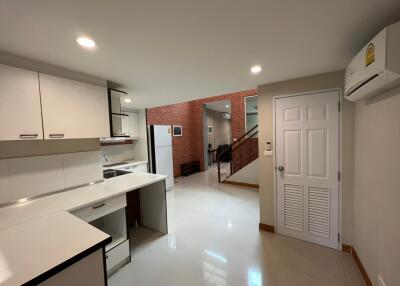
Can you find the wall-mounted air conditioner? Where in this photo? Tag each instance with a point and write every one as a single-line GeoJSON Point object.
{"type": "Point", "coordinates": [226, 115]}
{"type": "Point", "coordinates": [376, 68]}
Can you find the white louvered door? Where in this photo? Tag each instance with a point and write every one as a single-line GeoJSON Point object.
{"type": "Point", "coordinates": [307, 161]}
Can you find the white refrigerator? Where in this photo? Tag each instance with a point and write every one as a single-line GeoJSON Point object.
{"type": "Point", "coordinates": [161, 161]}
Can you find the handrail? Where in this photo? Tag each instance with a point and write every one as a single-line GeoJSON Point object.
{"type": "Point", "coordinates": [234, 146]}
{"type": "Point", "coordinates": [238, 141]}
{"type": "Point", "coordinates": [241, 137]}
{"type": "Point", "coordinates": [247, 139]}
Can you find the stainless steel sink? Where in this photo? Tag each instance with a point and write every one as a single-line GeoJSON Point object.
{"type": "Point", "coordinates": [110, 173]}
{"type": "Point", "coordinates": [116, 164]}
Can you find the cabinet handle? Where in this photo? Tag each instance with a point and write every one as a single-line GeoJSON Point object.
{"type": "Point", "coordinates": [106, 256]}
{"type": "Point", "coordinates": [28, 136]}
{"type": "Point", "coordinates": [99, 206]}
{"type": "Point", "coordinates": [60, 135]}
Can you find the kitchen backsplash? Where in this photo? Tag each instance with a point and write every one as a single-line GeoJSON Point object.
{"type": "Point", "coordinates": [117, 153]}
{"type": "Point", "coordinates": [37, 175]}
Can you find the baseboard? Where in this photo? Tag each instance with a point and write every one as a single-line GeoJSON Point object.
{"type": "Point", "coordinates": [266, 227]}
{"type": "Point", "coordinates": [356, 258]}
{"type": "Point", "coordinates": [361, 267]}
{"type": "Point", "coordinates": [347, 248]}
{"type": "Point", "coordinates": [241, 184]}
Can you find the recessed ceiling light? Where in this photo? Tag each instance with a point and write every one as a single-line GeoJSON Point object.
{"type": "Point", "coordinates": [256, 69]}
{"type": "Point", "coordinates": [86, 42]}
{"type": "Point", "coordinates": [127, 100]}
{"type": "Point", "coordinates": [227, 106]}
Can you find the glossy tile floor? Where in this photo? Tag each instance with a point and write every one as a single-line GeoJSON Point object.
{"type": "Point", "coordinates": [214, 240]}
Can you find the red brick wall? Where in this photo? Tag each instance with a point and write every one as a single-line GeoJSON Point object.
{"type": "Point", "coordinates": [189, 147]}
{"type": "Point", "coordinates": [178, 114]}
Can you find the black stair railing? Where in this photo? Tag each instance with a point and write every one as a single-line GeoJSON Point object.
{"type": "Point", "coordinates": [240, 153]}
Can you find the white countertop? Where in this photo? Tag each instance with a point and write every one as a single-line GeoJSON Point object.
{"type": "Point", "coordinates": [32, 227]}
{"type": "Point", "coordinates": [30, 249]}
{"type": "Point", "coordinates": [75, 199]}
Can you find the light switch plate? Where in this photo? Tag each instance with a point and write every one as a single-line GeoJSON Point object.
{"type": "Point", "coordinates": [268, 153]}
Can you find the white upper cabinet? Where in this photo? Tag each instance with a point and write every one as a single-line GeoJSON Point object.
{"type": "Point", "coordinates": [73, 109]}
{"type": "Point", "coordinates": [130, 124]}
{"type": "Point", "coordinates": [39, 106]}
{"type": "Point", "coordinates": [20, 113]}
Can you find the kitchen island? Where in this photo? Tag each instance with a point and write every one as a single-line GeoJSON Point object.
{"type": "Point", "coordinates": [43, 238]}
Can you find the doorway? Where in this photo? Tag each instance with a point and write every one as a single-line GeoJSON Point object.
{"type": "Point", "coordinates": [217, 132]}
{"type": "Point", "coordinates": [307, 157]}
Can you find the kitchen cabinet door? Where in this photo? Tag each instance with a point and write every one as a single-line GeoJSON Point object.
{"type": "Point", "coordinates": [20, 113]}
{"type": "Point", "coordinates": [87, 271]}
{"type": "Point", "coordinates": [130, 124]}
{"type": "Point", "coordinates": [73, 109]}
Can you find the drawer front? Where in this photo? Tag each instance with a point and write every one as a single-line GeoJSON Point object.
{"type": "Point", "coordinates": [117, 255]}
{"type": "Point", "coordinates": [101, 208]}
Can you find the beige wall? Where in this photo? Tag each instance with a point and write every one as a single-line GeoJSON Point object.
{"type": "Point", "coordinates": [377, 187]}
{"type": "Point", "coordinates": [265, 121]}
{"type": "Point", "coordinates": [248, 174]}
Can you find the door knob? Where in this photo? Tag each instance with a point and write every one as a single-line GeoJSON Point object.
{"type": "Point", "coordinates": [281, 169]}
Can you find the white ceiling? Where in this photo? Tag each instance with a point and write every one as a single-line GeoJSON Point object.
{"type": "Point", "coordinates": [172, 51]}
{"type": "Point", "coordinates": [220, 106]}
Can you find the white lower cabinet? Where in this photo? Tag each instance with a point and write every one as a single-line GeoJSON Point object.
{"type": "Point", "coordinates": [110, 217]}
{"type": "Point", "coordinates": [87, 271]}
{"type": "Point", "coordinates": [117, 256]}
{"type": "Point", "coordinates": [100, 209]}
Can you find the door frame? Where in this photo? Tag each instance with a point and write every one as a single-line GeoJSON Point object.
{"type": "Point", "coordinates": [340, 91]}
{"type": "Point", "coordinates": [205, 137]}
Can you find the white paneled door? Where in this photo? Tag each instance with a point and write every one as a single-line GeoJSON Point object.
{"type": "Point", "coordinates": [307, 162]}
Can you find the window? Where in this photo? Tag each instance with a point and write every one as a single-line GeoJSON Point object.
{"type": "Point", "coordinates": [251, 109]}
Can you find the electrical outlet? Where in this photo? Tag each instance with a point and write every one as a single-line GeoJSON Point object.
{"type": "Point", "coordinates": [380, 281]}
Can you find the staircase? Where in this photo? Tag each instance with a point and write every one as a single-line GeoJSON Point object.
{"type": "Point", "coordinates": [239, 154]}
